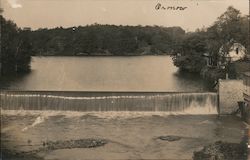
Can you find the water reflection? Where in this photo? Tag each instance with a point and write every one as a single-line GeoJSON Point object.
{"type": "Point", "coordinates": [140, 73]}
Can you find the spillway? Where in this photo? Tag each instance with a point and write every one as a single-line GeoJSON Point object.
{"type": "Point", "coordinates": [204, 103]}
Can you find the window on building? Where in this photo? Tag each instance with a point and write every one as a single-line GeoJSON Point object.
{"type": "Point", "coordinates": [237, 50]}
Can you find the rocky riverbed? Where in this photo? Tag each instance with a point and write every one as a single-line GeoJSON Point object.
{"type": "Point", "coordinates": [222, 151]}
{"type": "Point", "coordinates": [81, 143]}
{"type": "Point", "coordinates": [50, 146]}
{"type": "Point", "coordinates": [169, 138]}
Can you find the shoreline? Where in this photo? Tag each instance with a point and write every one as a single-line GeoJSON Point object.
{"type": "Point", "coordinates": [103, 55]}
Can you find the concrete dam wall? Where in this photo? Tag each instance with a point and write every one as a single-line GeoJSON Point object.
{"type": "Point", "coordinates": [194, 103]}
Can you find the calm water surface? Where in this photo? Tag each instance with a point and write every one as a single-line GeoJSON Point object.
{"type": "Point", "coordinates": [140, 73]}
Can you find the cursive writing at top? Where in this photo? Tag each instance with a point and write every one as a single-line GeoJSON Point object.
{"type": "Point", "coordinates": [159, 6]}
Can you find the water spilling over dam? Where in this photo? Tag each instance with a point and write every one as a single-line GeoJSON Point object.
{"type": "Point", "coordinates": [204, 103]}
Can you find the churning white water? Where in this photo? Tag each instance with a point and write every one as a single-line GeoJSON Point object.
{"type": "Point", "coordinates": [189, 103]}
{"type": "Point", "coordinates": [39, 119]}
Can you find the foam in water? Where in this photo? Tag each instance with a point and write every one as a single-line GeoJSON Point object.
{"type": "Point", "coordinates": [39, 119]}
{"type": "Point", "coordinates": [189, 103]}
{"type": "Point", "coordinates": [104, 115]}
{"type": "Point", "coordinates": [209, 108]}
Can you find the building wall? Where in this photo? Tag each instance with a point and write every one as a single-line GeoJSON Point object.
{"type": "Point", "coordinates": [246, 83]}
{"type": "Point", "coordinates": [241, 52]}
{"type": "Point", "coordinates": [230, 92]}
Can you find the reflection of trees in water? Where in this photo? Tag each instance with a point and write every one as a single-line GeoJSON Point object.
{"type": "Point", "coordinates": [6, 81]}
{"type": "Point", "coordinates": [188, 79]}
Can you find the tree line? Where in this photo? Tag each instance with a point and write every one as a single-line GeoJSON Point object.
{"type": "Point", "coordinates": [99, 39]}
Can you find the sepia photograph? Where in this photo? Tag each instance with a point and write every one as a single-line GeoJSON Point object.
{"type": "Point", "coordinates": [124, 80]}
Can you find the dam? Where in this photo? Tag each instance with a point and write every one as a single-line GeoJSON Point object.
{"type": "Point", "coordinates": [129, 121]}
{"type": "Point", "coordinates": [181, 102]}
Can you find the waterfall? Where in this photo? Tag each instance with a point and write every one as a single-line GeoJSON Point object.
{"type": "Point", "coordinates": [196, 103]}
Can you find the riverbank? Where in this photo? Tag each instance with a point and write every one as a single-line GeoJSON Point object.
{"type": "Point", "coordinates": [104, 55]}
{"type": "Point", "coordinates": [235, 70]}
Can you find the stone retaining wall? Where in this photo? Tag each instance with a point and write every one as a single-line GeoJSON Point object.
{"type": "Point", "coordinates": [230, 92]}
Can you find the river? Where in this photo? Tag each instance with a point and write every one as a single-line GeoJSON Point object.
{"type": "Point", "coordinates": [130, 135]}
{"type": "Point", "coordinates": [133, 73]}
{"type": "Point", "coordinates": [130, 122]}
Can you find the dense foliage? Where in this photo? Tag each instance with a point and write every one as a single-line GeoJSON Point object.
{"type": "Point", "coordinates": [230, 27]}
{"type": "Point", "coordinates": [190, 50]}
{"type": "Point", "coordinates": [15, 49]}
{"type": "Point", "coordinates": [105, 40]}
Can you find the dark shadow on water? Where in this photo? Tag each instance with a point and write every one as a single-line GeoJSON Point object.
{"type": "Point", "coordinates": [194, 78]}
{"type": "Point", "coordinates": [7, 80]}
{"type": "Point", "coordinates": [184, 74]}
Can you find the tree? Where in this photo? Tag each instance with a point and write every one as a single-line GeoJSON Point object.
{"type": "Point", "coordinates": [15, 48]}
{"type": "Point", "coordinates": [191, 50]}
{"type": "Point", "coordinates": [231, 26]}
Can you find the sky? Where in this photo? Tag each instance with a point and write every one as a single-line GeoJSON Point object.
{"type": "Point", "coordinates": [67, 13]}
